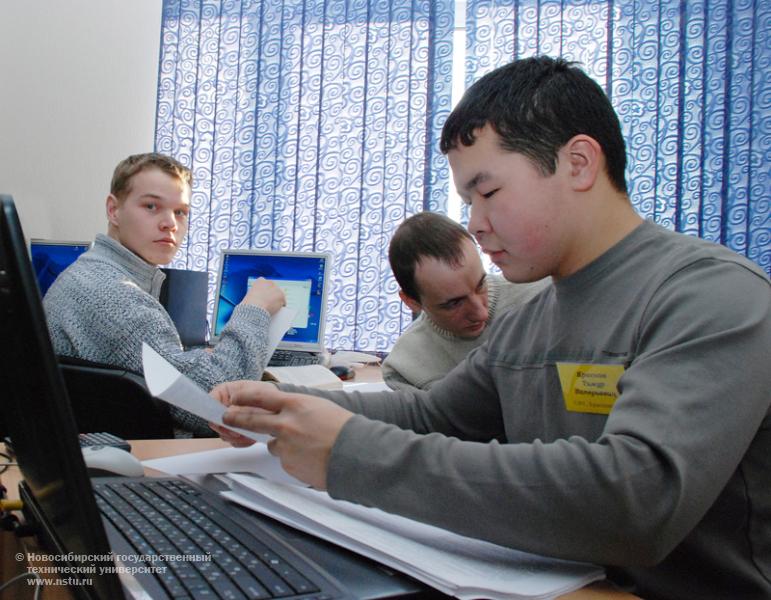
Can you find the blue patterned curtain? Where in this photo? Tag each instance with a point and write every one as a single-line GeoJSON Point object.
{"type": "Point", "coordinates": [309, 125]}
{"type": "Point", "coordinates": [690, 81]}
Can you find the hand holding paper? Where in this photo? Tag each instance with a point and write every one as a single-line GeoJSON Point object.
{"type": "Point", "coordinates": [168, 384]}
{"type": "Point", "coordinates": [304, 427]}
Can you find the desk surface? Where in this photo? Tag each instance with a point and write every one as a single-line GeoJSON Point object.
{"type": "Point", "coordinates": [145, 449]}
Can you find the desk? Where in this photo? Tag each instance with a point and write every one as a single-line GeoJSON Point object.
{"type": "Point", "coordinates": [367, 374]}
{"type": "Point", "coordinates": [146, 449]}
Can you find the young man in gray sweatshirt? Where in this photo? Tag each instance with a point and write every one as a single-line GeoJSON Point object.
{"type": "Point", "coordinates": [622, 417]}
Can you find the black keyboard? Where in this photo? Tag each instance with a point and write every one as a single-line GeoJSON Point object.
{"type": "Point", "coordinates": [103, 439]}
{"type": "Point", "coordinates": [293, 358]}
{"type": "Point", "coordinates": [170, 519]}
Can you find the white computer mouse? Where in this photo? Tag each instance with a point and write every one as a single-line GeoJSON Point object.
{"type": "Point", "coordinates": [106, 461]}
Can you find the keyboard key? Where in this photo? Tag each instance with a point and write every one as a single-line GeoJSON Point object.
{"type": "Point", "coordinates": [251, 587]}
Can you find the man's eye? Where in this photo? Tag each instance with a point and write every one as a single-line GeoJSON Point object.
{"type": "Point", "coordinates": [150, 206]}
{"type": "Point", "coordinates": [489, 194]}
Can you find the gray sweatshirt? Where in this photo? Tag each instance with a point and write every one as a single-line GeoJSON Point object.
{"type": "Point", "coordinates": [671, 490]}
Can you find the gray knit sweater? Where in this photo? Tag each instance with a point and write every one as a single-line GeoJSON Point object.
{"type": "Point", "coordinates": [106, 304]}
{"type": "Point", "coordinates": [426, 352]}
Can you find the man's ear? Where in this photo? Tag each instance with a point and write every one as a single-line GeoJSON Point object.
{"type": "Point", "coordinates": [111, 207]}
{"type": "Point", "coordinates": [586, 161]}
{"type": "Point", "coordinates": [411, 303]}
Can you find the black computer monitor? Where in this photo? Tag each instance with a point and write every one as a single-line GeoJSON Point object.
{"type": "Point", "coordinates": [38, 415]}
{"type": "Point", "coordinates": [51, 257]}
{"type": "Point", "coordinates": [184, 294]}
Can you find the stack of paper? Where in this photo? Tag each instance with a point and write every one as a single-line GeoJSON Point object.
{"type": "Point", "coordinates": [454, 564]}
{"type": "Point", "coordinates": [253, 459]}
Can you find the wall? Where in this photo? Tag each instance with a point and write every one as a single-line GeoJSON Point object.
{"type": "Point", "coordinates": [77, 94]}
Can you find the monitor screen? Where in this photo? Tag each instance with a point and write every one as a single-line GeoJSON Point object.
{"type": "Point", "coordinates": [302, 275]}
{"type": "Point", "coordinates": [51, 257]}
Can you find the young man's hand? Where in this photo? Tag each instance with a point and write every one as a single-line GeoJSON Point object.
{"type": "Point", "coordinates": [265, 294]}
{"type": "Point", "coordinates": [304, 428]}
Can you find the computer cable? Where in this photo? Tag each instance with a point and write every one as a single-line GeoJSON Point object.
{"type": "Point", "coordinates": [8, 520]}
{"type": "Point", "coordinates": [8, 462]}
{"type": "Point", "coordinates": [8, 505]}
{"type": "Point", "coordinates": [21, 576]}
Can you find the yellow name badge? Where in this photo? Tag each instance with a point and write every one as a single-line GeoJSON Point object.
{"type": "Point", "coordinates": [589, 388]}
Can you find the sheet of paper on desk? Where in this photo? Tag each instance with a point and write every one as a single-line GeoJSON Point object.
{"type": "Point", "coordinates": [168, 384]}
{"type": "Point", "coordinates": [254, 459]}
{"type": "Point", "coordinates": [454, 564]}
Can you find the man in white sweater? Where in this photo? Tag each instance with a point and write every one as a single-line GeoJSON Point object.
{"type": "Point", "coordinates": [437, 266]}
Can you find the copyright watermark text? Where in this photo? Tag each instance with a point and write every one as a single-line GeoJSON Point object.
{"type": "Point", "coordinates": [77, 569]}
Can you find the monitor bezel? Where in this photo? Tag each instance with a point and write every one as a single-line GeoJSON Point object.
{"type": "Point", "coordinates": [47, 242]}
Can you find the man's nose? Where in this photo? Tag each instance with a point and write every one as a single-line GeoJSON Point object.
{"type": "Point", "coordinates": [168, 222]}
{"type": "Point", "coordinates": [477, 221]}
{"type": "Point", "coordinates": [479, 310]}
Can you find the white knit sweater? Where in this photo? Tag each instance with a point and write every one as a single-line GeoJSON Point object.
{"type": "Point", "coordinates": [426, 352]}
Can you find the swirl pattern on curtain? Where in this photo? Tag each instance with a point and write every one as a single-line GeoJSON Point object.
{"type": "Point", "coordinates": [690, 82]}
{"type": "Point", "coordinates": [309, 125]}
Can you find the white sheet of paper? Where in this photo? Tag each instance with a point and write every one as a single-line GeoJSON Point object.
{"type": "Point", "coordinates": [168, 384]}
{"type": "Point", "coordinates": [463, 567]}
{"type": "Point", "coordinates": [254, 459]}
{"type": "Point", "coordinates": [279, 325]}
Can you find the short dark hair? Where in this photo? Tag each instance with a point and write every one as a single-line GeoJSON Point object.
{"type": "Point", "coordinates": [536, 105]}
{"type": "Point", "coordinates": [425, 234]}
{"type": "Point", "coordinates": [120, 185]}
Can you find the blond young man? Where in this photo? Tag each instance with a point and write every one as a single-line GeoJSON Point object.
{"type": "Point", "coordinates": [106, 304]}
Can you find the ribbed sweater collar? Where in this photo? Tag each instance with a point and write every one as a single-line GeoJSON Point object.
{"type": "Point", "coordinates": [148, 277]}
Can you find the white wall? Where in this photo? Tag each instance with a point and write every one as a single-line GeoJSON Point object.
{"type": "Point", "coordinates": [77, 94]}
